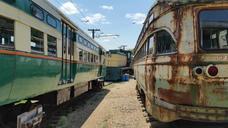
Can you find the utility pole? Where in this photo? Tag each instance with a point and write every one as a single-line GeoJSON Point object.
{"type": "Point", "coordinates": [93, 32]}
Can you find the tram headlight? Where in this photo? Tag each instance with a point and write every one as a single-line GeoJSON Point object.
{"type": "Point", "coordinates": [212, 71]}
{"type": "Point", "coordinates": [198, 71]}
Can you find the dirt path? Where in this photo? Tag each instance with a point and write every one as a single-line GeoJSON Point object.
{"type": "Point", "coordinates": [119, 109]}
{"type": "Point", "coordinates": [116, 106]}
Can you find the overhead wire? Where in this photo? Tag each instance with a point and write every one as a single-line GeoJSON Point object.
{"type": "Point", "coordinates": [84, 23]}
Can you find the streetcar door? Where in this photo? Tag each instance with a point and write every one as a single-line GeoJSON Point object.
{"type": "Point", "coordinates": [67, 54]}
{"type": "Point", "coordinates": [166, 66]}
{"type": "Point", "coordinates": [101, 62]}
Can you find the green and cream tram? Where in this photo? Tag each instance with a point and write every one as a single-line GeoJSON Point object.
{"type": "Point", "coordinates": [44, 55]}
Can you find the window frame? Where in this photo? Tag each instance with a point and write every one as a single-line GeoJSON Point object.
{"type": "Point", "coordinates": [80, 57]}
{"type": "Point", "coordinates": [13, 31]}
{"type": "Point", "coordinates": [199, 32]}
{"type": "Point", "coordinates": [34, 51]}
{"type": "Point", "coordinates": [52, 42]}
{"type": "Point", "coordinates": [148, 45]}
{"type": "Point", "coordinates": [38, 7]}
{"type": "Point", "coordinates": [55, 19]}
{"type": "Point", "coordinates": [156, 42]}
{"type": "Point", "coordinates": [138, 55]}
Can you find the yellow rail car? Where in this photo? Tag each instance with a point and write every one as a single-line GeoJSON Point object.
{"type": "Point", "coordinates": [181, 61]}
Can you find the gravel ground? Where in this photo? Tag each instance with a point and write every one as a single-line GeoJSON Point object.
{"type": "Point", "coordinates": [116, 106]}
{"type": "Point", "coordinates": [119, 109]}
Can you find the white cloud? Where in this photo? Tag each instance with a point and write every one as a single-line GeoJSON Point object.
{"type": "Point", "coordinates": [105, 40]}
{"type": "Point", "coordinates": [95, 18]}
{"type": "Point", "coordinates": [69, 8]}
{"type": "Point", "coordinates": [136, 18]}
{"type": "Point", "coordinates": [106, 22]}
{"type": "Point", "coordinates": [107, 7]}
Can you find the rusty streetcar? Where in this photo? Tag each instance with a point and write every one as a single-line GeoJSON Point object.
{"type": "Point", "coordinates": [181, 61]}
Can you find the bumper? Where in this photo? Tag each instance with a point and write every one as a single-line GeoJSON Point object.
{"type": "Point", "coordinates": [193, 113]}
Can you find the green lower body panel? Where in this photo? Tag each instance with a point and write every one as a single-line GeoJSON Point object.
{"type": "Point", "coordinates": [33, 77]}
{"type": "Point", "coordinates": [7, 74]}
{"type": "Point", "coordinates": [24, 77]}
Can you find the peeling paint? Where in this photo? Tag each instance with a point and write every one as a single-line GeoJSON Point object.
{"type": "Point", "coordinates": [170, 77]}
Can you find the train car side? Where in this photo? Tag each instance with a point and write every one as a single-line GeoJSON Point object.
{"type": "Point", "coordinates": [169, 56]}
{"type": "Point", "coordinates": [30, 69]}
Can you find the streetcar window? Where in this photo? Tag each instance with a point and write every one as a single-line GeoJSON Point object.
{"type": "Point", "coordinates": [92, 58]}
{"type": "Point", "coordinates": [37, 11]}
{"type": "Point", "coordinates": [214, 29]}
{"type": "Point", "coordinates": [151, 18]}
{"type": "Point", "coordinates": [52, 46]}
{"type": "Point", "coordinates": [70, 44]}
{"type": "Point", "coordinates": [10, 1]}
{"type": "Point", "coordinates": [6, 33]}
{"type": "Point", "coordinates": [88, 57]}
{"type": "Point", "coordinates": [165, 43]}
{"type": "Point", "coordinates": [51, 21]}
{"type": "Point", "coordinates": [80, 55]}
{"type": "Point", "coordinates": [37, 41]}
{"type": "Point", "coordinates": [145, 49]}
{"type": "Point", "coordinates": [85, 56]}
{"type": "Point", "coordinates": [80, 39]}
{"type": "Point", "coordinates": [96, 59]}
{"type": "Point", "coordinates": [85, 42]}
{"type": "Point", "coordinates": [151, 45]}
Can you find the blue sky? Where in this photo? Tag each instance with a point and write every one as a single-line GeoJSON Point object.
{"type": "Point", "coordinates": [117, 17]}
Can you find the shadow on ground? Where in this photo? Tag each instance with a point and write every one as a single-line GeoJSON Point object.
{"type": "Point", "coordinates": [75, 113]}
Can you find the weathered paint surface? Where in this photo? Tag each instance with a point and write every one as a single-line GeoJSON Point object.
{"type": "Point", "coordinates": [116, 60]}
{"type": "Point", "coordinates": [170, 80]}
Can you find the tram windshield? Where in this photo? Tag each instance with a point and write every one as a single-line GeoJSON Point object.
{"type": "Point", "coordinates": [214, 29]}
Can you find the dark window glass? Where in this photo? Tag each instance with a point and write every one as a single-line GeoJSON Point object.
{"type": "Point", "coordinates": [89, 57]}
{"type": "Point", "coordinates": [85, 42]}
{"type": "Point", "coordinates": [70, 42]}
{"type": "Point", "coordinates": [10, 1]}
{"type": "Point", "coordinates": [97, 61]}
{"type": "Point", "coordinates": [37, 12]}
{"type": "Point", "coordinates": [37, 41]}
{"type": "Point", "coordinates": [52, 46]}
{"type": "Point", "coordinates": [6, 33]}
{"type": "Point", "coordinates": [80, 39]}
{"type": "Point", "coordinates": [80, 55]}
{"type": "Point", "coordinates": [52, 21]}
{"type": "Point", "coordinates": [85, 56]}
{"type": "Point", "coordinates": [165, 43]}
{"type": "Point", "coordinates": [214, 29]}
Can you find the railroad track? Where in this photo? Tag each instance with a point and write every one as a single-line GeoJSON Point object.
{"type": "Point", "coordinates": [180, 123]}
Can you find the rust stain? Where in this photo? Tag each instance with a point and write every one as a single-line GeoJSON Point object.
{"type": "Point", "coordinates": [181, 86]}
{"type": "Point", "coordinates": [175, 97]}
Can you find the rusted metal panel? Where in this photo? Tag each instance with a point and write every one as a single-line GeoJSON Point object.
{"type": "Point", "coordinates": [175, 97]}
{"type": "Point", "coordinates": [170, 78]}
